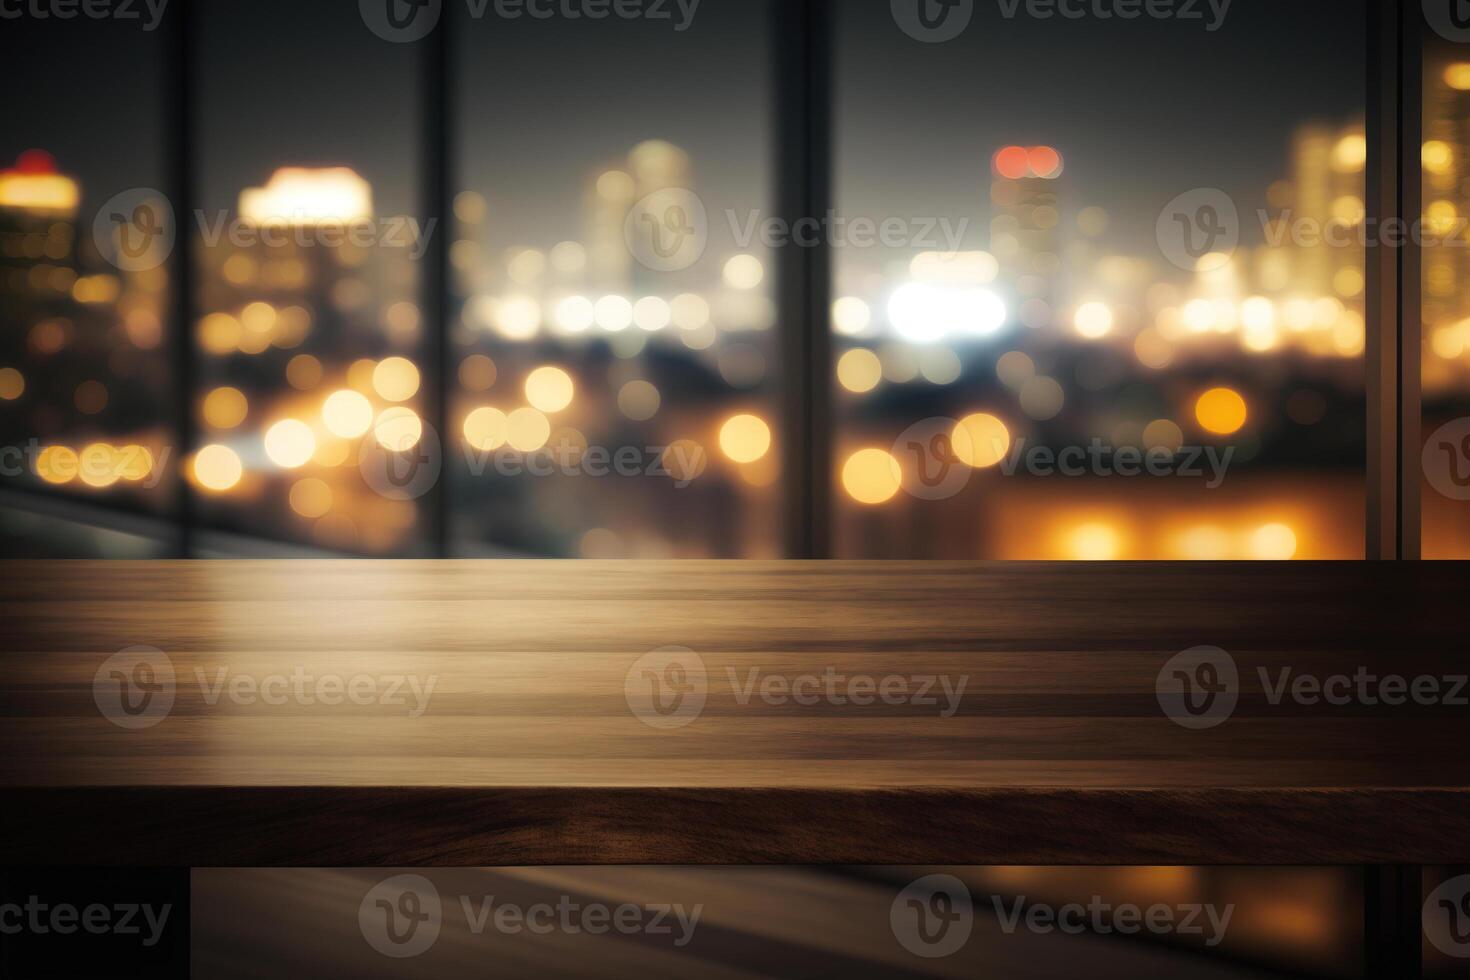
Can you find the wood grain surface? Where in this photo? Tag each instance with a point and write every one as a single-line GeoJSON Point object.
{"type": "Point", "coordinates": [529, 750]}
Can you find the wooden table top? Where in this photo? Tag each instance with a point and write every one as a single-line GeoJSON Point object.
{"type": "Point", "coordinates": [505, 713]}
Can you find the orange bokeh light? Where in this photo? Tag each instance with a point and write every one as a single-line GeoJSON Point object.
{"type": "Point", "coordinates": [1044, 161]}
{"type": "Point", "coordinates": [1013, 162]}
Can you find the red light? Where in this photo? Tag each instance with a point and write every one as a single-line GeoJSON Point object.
{"type": "Point", "coordinates": [1012, 163]}
{"type": "Point", "coordinates": [35, 162]}
{"type": "Point", "coordinates": [1044, 161]}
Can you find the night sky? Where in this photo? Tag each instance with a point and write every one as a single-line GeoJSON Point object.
{"type": "Point", "coordinates": [1141, 109]}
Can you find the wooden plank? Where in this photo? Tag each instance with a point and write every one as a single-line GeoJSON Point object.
{"type": "Point", "coordinates": [527, 749]}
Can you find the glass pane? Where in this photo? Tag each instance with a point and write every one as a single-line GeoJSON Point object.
{"type": "Point", "coordinates": [308, 328]}
{"type": "Point", "coordinates": [85, 390]}
{"type": "Point", "coordinates": [1446, 294]}
{"type": "Point", "coordinates": [614, 346]}
{"type": "Point", "coordinates": [1113, 305]}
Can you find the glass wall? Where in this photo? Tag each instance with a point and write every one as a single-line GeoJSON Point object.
{"type": "Point", "coordinates": [1108, 299]}
{"type": "Point", "coordinates": [1446, 294]}
{"type": "Point", "coordinates": [85, 380]}
{"type": "Point", "coordinates": [615, 344]}
{"type": "Point", "coordinates": [308, 334]}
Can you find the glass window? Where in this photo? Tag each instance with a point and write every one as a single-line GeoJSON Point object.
{"type": "Point", "coordinates": [1445, 376]}
{"type": "Point", "coordinates": [85, 383]}
{"type": "Point", "coordinates": [309, 339]}
{"type": "Point", "coordinates": [1107, 302]}
{"type": "Point", "coordinates": [614, 344]}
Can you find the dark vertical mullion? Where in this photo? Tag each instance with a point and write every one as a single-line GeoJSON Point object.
{"type": "Point", "coordinates": [182, 47]}
{"type": "Point", "coordinates": [1393, 937]}
{"type": "Point", "coordinates": [802, 31]}
{"type": "Point", "coordinates": [1411, 293]}
{"type": "Point", "coordinates": [1394, 180]}
{"type": "Point", "coordinates": [437, 162]}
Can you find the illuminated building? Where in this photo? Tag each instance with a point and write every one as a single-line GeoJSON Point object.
{"type": "Point", "coordinates": [1024, 218]}
{"type": "Point", "coordinates": [38, 209]}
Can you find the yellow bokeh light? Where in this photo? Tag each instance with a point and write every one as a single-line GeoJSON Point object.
{"type": "Point", "coordinates": [1457, 76]}
{"type": "Point", "coordinates": [477, 373]}
{"type": "Point", "coordinates": [1350, 154]}
{"type": "Point", "coordinates": [1095, 542]}
{"type": "Point", "coordinates": [396, 379]}
{"type": "Point", "coordinates": [1441, 217]}
{"type": "Point", "coordinates": [225, 408]}
{"type": "Point", "coordinates": [1094, 320]}
{"type": "Point", "coordinates": [744, 272]}
{"type": "Point", "coordinates": [486, 428]}
{"type": "Point", "coordinates": [99, 466]}
{"type": "Point", "coordinates": [1438, 157]}
{"type": "Point", "coordinates": [527, 430]}
{"type": "Point", "coordinates": [549, 389]}
{"type": "Point", "coordinates": [303, 371]}
{"type": "Point", "coordinates": [1221, 411]}
{"type": "Point", "coordinates": [290, 443]}
{"type": "Point", "coordinates": [1274, 542]}
{"type": "Point", "coordinates": [871, 476]}
{"type": "Point", "coordinates": [220, 333]}
{"type": "Point", "coordinates": [859, 370]}
{"type": "Point", "coordinates": [311, 498]}
{"type": "Point", "coordinates": [134, 463]}
{"type": "Point", "coordinates": [398, 429]}
{"type": "Point", "coordinates": [217, 468]}
{"type": "Point", "coordinates": [1205, 542]}
{"type": "Point", "coordinates": [850, 315]}
{"type": "Point", "coordinates": [347, 413]}
{"type": "Point", "coordinates": [980, 440]}
{"type": "Point", "coordinates": [57, 464]}
{"type": "Point", "coordinates": [12, 384]}
{"type": "Point", "coordinates": [745, 438]}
